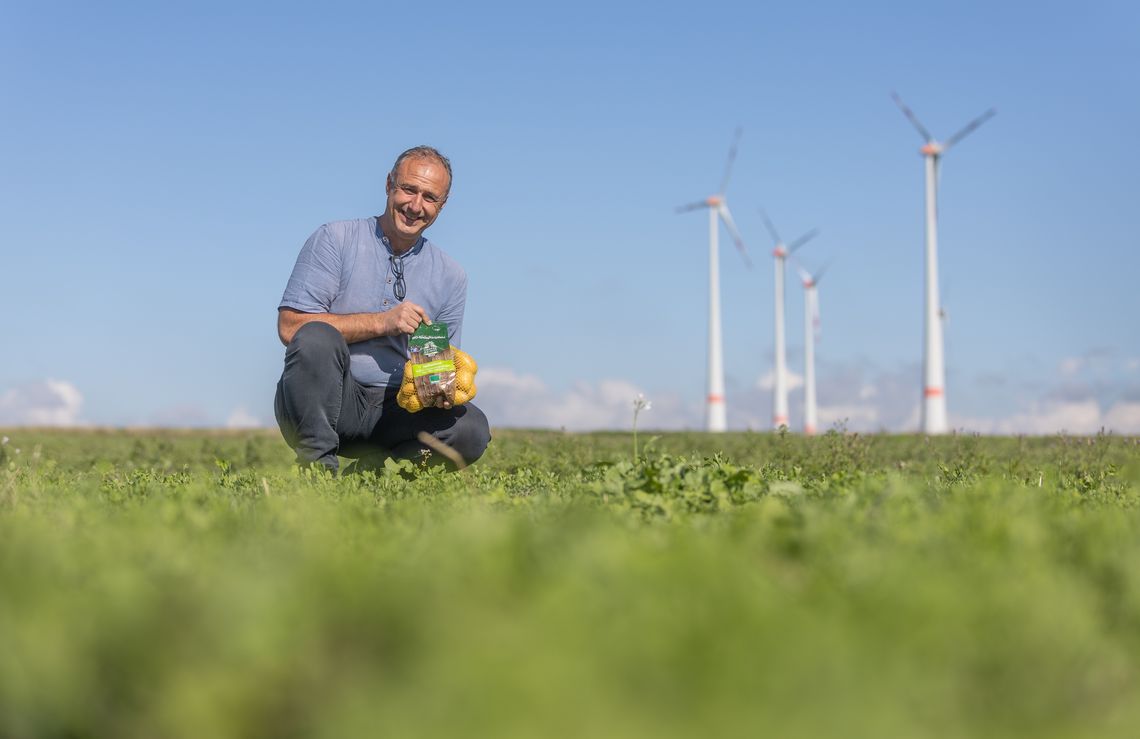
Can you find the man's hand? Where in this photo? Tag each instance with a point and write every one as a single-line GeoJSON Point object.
{"type": "Point", "coordinates": [405, 318]}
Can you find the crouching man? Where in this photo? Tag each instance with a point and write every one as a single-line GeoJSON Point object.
{"type": "Point", "coordinates": [358, 290]}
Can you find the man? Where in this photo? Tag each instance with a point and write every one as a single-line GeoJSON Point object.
{"type": "Point", "coordinates": [357, 291]}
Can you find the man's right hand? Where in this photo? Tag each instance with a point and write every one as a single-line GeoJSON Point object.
{"type": "Point", "coordinates": [405, 318]}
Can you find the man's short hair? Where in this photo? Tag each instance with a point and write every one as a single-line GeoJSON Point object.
{"type": "Point", "coordinates": [425, 152]}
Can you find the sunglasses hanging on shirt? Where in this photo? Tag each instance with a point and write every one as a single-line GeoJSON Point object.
{"type": "Point", "coordinates": [399, 288]}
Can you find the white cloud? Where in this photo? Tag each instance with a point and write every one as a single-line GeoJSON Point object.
{"type": "Point", "coordinates": [1061, 416]}
{"type": "Point", "coordinates": [1071, 366]}
{"type": "Point", "coordinates": [767, 381]}
{"type": "Point", "coordinates": [1123, 418]}
{"type": "Point", "coordinates": [510, 398]}
{"type": "Point", "coordinates": [1132, 364]}
{"type": "Point", "coordinates": [1041, 418]}
{"type": "Point", "coordinates": [243, 419]}
{"type": "Point", "coordinates": [862, 396]}
{"type": "Point", "coordinates": [44, 403]}
{"type": "Point", "coordinates": [850, 416]}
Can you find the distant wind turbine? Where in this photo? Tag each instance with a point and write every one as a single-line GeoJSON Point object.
{"type": "Point", "coordinates": [811, 335]}
{"type": "Point", "coordinates": [933, 366]}
{"type": "Point", "coordinates": [715, 417]}
{"type": "Point", "coordinates": [780, 386]}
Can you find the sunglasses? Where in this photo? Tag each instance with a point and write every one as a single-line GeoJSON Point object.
{"type": "Point", "coordinates": [400, 288]}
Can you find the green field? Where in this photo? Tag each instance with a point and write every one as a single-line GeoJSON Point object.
{"type": "Point", "coordinates": [196, 584]}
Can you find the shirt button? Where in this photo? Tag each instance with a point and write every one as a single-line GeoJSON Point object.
{"type": "Point", "coordinates": [389, 280]}
{"type": "Point", "coordinates": [385, 302]}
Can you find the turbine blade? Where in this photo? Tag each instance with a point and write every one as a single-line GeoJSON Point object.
{"type": "Point", "coordinates": [912, 118]}
{"type": "Point", "coordinates": [731, 159]}
{"type": "Point", "coordinates": [969, 128]}
{"type": "Point", "coordinates": [799, 265]}
{"type": "Point", "coordinates": [770, 226]}
{"type": "Point", "coordinates": [691, 206]}
{"type": "Point", "coordinates": [802, 240]}
{"type": "Point", "coordinates": [805, 273]}
{"type": "Point", "coordinates": [726, 217]}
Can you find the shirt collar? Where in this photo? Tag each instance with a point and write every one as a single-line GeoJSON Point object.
{"type": "Point", "coordinates": [416, 247]}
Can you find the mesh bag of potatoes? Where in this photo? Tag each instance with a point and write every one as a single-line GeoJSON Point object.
{"type": "Point", "coordinates": [438, 375]}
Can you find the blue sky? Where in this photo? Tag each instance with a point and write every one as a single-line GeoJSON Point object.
{"type": "Point", "coordinates": [161, 165]}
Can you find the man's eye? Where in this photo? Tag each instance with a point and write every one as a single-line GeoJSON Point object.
{"type": "Point", "coordinates": [411, 191]}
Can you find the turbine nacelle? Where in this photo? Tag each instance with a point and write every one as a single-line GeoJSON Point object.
{"type": "Point", "coordinates": [809, 279]}
{"type": "Point", "coordinates": [781, 250]}
{"type": "Point", "coordinates": [714, 201]}
{"type": "Point", "coordinates": [931, 149]}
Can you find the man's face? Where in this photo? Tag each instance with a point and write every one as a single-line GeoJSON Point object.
{"type": "Point", "coordinates": [416, 194]}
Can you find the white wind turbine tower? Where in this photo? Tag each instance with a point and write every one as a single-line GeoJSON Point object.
{"type": "Point", "coordinates": [780, 386]}
{"type": "Point", "coordinates": [811, 335]}
{"type": "Point", "coordinates": [715, 418]}
{"type": "Point", "coordinates": [933, 367]}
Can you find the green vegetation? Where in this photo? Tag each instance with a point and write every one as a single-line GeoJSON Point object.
{"type": "Point", "coordinates": [178, 584]}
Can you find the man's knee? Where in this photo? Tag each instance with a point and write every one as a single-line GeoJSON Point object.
{"type": "Point", "coordinates": [316, 338]}
{"type": "Point", "coordinates": [472, 434]}
{"type": "Point", "coordinates": [317, 352]}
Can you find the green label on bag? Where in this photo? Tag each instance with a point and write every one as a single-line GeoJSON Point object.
{"type": "Point", "coordinates": [429, 340]}
{"type": "Point", "coordinates": [431, 368]}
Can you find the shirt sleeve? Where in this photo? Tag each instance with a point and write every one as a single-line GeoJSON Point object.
{"type": "Point", "coordinates": [316, 276]}
{"type": "Point", "coordinates": [452, 312]}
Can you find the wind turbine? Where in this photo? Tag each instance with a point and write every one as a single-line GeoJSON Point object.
{"type": "Point", "coordinates": [715, 419]}
{"type": "Point", "coordinates": [933, 366]}
{"type": "Point", "coordinates": [780, 386]}
{"type": "Point", "coordinates": [811, 335]}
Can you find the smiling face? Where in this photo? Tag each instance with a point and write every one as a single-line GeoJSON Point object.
{"type": "Point", "coordinates": [417, 191]}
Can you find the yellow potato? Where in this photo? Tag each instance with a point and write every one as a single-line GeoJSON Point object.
{"type": "Point", "coordinates": [408, 399]}
{"type": "Point", "coordinates": [466, 392]}
{"type": "Point", "coordinates": [464, 361]}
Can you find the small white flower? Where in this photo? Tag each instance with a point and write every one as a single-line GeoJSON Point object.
{"type": "Point", "coordinates": [639, 404]}
{"type": "Point", "coordinates": [4, 441]}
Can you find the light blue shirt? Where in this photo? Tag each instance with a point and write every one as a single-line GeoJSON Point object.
{"type": "Point", "coordinates": [345, 267]}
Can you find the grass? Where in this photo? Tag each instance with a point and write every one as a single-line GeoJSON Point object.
{"type": "Point", "coordinates": [191, 584]}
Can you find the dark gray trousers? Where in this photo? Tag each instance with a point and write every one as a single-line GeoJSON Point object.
{"type": "Point", "coordinates": [323, 411]}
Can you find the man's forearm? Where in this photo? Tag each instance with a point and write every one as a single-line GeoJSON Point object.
{"type": "Point", "coordinates": [404, 318]}
{"type": "Point", "coordinates": [353, 326]}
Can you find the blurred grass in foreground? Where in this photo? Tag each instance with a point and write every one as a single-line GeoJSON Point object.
{"type": "Point", "coordinates": [194, 584]}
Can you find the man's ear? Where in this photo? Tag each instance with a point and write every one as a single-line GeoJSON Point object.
{"type": "Point", "coordinates": [388, 183]}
